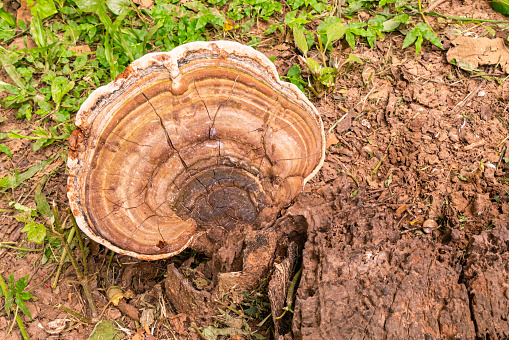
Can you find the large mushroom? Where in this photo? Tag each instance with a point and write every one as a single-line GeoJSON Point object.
{"type": "Point", "coordinates": [188, 145]}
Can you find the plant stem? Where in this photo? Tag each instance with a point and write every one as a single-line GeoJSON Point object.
{"type": "Point", "coordinates": [81, 278]}
{"type": "Point", "coordinates": [82, 248]}
{"type": "Point", "coordinates": [21, 326]}
{"type": "Point", "coordinates": [62, 259]}
{"type": "Point", "coordinates": [5, 290]}
{"type": "Point", "coordinates": [3, 245]}
{"type": "Point", "coordinates": [77, 315]}
{"type": "Point", "coordinates": [375, 170]}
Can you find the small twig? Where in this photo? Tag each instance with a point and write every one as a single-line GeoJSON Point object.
{"type": "Point", "coordinates": [467, 98]}
{"type": "Point", "coordinates": [502, 154]}
{"type": "Point", "coordinates": [108, 268]}
{"type": "Point", "coordinates": [260, 324]}
{"type": "Point", "coordinates": [198, 331]}
{"type": "Point", "coordinates": [241, 314]}
{"type": "Point", "coordinates": [350, 175]}
{"type": "Point", "coordinates": [487, 74]}
{"type": "Point", "coordinates": [12, 323]}
{"type": "Point", "coordinates": [375, 170]}
{"type": "Point", "coordinates": [80, 242]}
{"type": "Point", "coordinates": [62, 259]}
{"type": "Point", "coordinates": [503, 140]}
{"type": "Point", "coordinates": [336, 123]}
{"type": "Point", "coordinates": [3, 245]}
{"type": "Point", "coordinates": [43, 281]}
{"type": "Point", "coordinates": [77, 315]}
{"type": "Point", "coordinates": [289, 295]}
{"type": "Point", "coordinates": [79, 273]}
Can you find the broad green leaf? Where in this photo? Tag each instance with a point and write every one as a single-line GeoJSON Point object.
{"type": "Point", "coordinates": [313, 66]}
{"type": "Point", "coordinates": [43, 9]}
{"type": "Point", "coordinates": [9, 299]}
{"type": "Point", "coordinates": [8, 59]}
{"type": "Point", "coordinates": [300, 39]}
{"type": "Point", "coordinates": [62, 116]}
{"type": "Point", "coordinates": [13, 181]}
{"type": "Point", "coordinates": [26, 295]}
{"type": "Point", "coordinates": [87, 5]}
{"type": "Point", "coordinates": [105, 330]}
{"type": "Point", "coordinates": [21, 284]}
{"type": "Point", "coordinates": [350, 39]}
{"type": "Point", "coordinates": [5, 149]}
{"type": "Point", "coordinates": [334, 32]}
{"type": "Point", "coordinates": [15, 135]}
{"type": "Point", "coordinates": [38, 32]}
{"type": "Point", "coordinates": [428, 34]}
{"type": "Point", "coordinates": [411, 37]}
{"type": "Point", "coordinates": [353, 58]}
{"type": "Point", "coordinates": [20, 207]}
{"type": "Point", "coordinates": [8, 17]}
{"type": "Point", "coordinates": [11, 281]}
{"type": "Point", "coordinates": [501, 6]}
{"type": "Point", "coordinates": [293, 71]}
{"type": "Point", "coordinates": [327, 70]}
{"type": "Point", "coordinates": [418, 44]}
{"type": "Point", "coordinates": [35, 232]}
{"type": "Point", "coordinates": [118, 6]}
{"type": "Point", "coordinates": [24, 111]}
{"type": "Point", "coordinates": [42, 204]}
{"type": "Point", "coordinates": [23, 306]}
{"type": "Point", "coordinates": [327, 22]}
{"type": "Point", "coordinates": [390, 25]}
{"type": "Point", "coordinates": [59, 88]}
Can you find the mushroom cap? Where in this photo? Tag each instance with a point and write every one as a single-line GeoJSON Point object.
{"type": "Point", "coordinates": [201, 136]}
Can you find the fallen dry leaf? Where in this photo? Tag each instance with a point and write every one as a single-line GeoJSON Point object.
{"type": "Point", "coordinates": [281, 47]}
{"type": "Point", "coordinates": [382, 92]}
{"type": "Point", "coordinates": [19, 42]}
{"type": "Point", "coordinates": [23, 13]}
{"type": "Point", "coordinates": [472, 52]}
{"type": "Point", "coordinates": [346, 123]}
{"type": "Point", "coordinates": [56, 326]}
{"type": "Point", "coordinates": [401, 209]}
{"type": "Point", "coordinates": [144, 4]}
{"type": "Point", "coordinates": [331, 140]}
{"type": "Point", "coordinates": [80, 49]}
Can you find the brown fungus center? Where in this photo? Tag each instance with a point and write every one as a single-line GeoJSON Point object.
{"type": "Point", "coordinates": [202, 137]}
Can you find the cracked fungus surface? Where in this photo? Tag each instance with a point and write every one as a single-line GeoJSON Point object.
{"type": "Point", "coordinates": [183, 141]}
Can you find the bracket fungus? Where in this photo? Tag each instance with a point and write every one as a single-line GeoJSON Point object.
{"type": "Point", "coordinates": [186, 141]}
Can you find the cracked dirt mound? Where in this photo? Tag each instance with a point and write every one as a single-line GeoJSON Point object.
{"type": "Point", "coordinates": [364, 279]}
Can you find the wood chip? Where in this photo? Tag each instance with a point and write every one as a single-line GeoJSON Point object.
{"type": "Point", "coordinates": [474, 145]}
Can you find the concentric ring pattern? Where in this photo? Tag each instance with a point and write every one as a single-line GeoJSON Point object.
{"type": "Point", "coordinates": [201, 136]}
